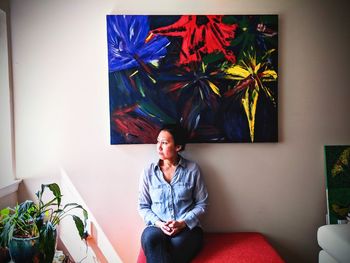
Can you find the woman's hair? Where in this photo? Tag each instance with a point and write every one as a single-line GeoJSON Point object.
{"type": "Point", "coordinates": [178, 132]}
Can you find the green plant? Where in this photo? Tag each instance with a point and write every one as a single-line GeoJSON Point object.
{"type": "Point", "coordinates": [40, 219]}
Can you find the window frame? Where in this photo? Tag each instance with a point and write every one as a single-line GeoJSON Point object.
{"type": "Point", "coordinates": [8, 182]}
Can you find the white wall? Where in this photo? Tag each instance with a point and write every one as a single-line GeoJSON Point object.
{"type": "Point", "coordinates": [61, 119]}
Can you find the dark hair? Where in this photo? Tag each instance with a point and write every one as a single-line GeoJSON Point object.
{"type": "Point", "coordinates": [178, 132]}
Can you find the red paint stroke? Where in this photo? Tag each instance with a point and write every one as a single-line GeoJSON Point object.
{"type": "Point", "coordinates": [201, 35]}
{"type": "Point", "coordinates": [133, 126]}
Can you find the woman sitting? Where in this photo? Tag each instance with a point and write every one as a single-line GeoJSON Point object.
{"type": "Point", "coordinates": [172, 197]}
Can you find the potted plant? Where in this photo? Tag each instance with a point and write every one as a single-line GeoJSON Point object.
{"type": "Point", "coordinates": [29, 229]}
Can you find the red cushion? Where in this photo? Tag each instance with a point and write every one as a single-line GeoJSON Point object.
{"type": "Point", "coordinates": [141, 257]}
{"type": "Point", "coordinates": [233, 247]}
{"type": "Point", "coordinates": [237, 247]}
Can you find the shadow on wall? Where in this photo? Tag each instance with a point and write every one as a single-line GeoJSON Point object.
{"type": "Point", "coordinates": [233, 207]}
{"type": "Point", "coordinates": [219, 216]}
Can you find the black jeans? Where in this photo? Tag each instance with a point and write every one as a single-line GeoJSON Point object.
{"type": "Point", "coordinates": [161, 248]}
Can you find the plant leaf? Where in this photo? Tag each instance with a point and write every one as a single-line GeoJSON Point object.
{"type": "Point", "coordinates": [55, 189]}
{"type": "Point", "coordinates": [79, 225]}
{"type": "Point", "coordinates": [48, 241]}
{"type": "Point", "coordinates": [27, 206]}
{"type": "Point", "coordinates": [5, 211]}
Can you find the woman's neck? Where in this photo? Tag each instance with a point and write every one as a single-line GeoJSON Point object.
{"type": "Point", "coordinates": [171, 163]}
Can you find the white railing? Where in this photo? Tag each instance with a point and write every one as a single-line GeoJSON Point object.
{"type": "Point", "coordinates": [10, 188]}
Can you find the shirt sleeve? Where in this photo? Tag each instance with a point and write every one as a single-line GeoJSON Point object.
{"type": "Point", "coordinates": [200, 196]}
{"type": "Point", "coordinates": [144, 201]}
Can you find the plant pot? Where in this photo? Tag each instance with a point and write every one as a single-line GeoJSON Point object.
{"type": "Point", "coordinates": [24, 250]}
{"type": "Point", "coordinates": [28, 250]}
{"type": "Point", "coordinates": [4, 255]}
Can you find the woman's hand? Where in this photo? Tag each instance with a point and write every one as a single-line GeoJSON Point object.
{"type": "Point", "coordinates": [176, 226]}
{"type": "Point", "coordinates": [172, 227]}
{"type": "Point", "coordinates": [164, 227]}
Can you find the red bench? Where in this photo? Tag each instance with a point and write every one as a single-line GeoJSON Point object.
{"type": "Point", "coordinates": [245, 247]}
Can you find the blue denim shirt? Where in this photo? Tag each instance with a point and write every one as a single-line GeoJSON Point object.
{"type": "Point", "coordinates": [184, 198]}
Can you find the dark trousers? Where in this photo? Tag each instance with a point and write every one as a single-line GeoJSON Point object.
{"type": "Point", "coordinates": [161, 248]}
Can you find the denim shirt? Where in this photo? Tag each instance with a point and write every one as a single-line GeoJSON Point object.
{"type": "Point", "coordinates": [184, 198]}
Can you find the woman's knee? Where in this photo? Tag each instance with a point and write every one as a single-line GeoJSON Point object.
{"type": "Point", "coordinates": [151, 236]}
{"type": "Point", "coordinates": [186, 245]}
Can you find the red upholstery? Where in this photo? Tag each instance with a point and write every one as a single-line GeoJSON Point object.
{"type": "Point", "coordinates": [233, 247]}
{"type": "Point", "coordinates": [141, 257]}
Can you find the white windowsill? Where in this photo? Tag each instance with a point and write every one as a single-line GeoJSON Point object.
{"type": "Point", "coordinates": [10, 188]}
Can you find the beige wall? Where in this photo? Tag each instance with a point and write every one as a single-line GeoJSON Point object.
{"type": "Point", "coordinates": [9, 200]}
{"type": "Point", "coordinates": [61, 119]}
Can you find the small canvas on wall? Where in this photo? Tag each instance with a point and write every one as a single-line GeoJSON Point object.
{"type": "Point", "coordinates": [338, 183]}
{"type": "Point", "coordinates": [215, 74]}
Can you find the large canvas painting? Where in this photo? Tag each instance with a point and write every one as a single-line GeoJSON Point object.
{"type": "Point", "coordinates": [338, 183]}
{"type": "Point", "coordinates": [216, 75]}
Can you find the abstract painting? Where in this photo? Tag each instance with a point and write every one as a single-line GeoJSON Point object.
{"type": "Point", "coordinates": [216, 75]}
{"type": "Point", "coordinates": [338, 182]}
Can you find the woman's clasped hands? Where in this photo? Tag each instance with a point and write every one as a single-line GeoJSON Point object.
{"type": "Point", "coordinates": [171, 227]}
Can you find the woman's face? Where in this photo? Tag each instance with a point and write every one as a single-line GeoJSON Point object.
{"type": "Point", "coordinates": [166, 147]}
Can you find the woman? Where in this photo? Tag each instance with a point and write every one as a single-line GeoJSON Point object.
{"type": "Point", "coordinates": [172, 197]}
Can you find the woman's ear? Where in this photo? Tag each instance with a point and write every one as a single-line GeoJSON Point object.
{"type": "Point", "coordinates": [178, 148]}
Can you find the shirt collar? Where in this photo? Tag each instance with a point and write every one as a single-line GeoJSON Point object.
{"type": "Point", "coordinates": [182, 162]}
